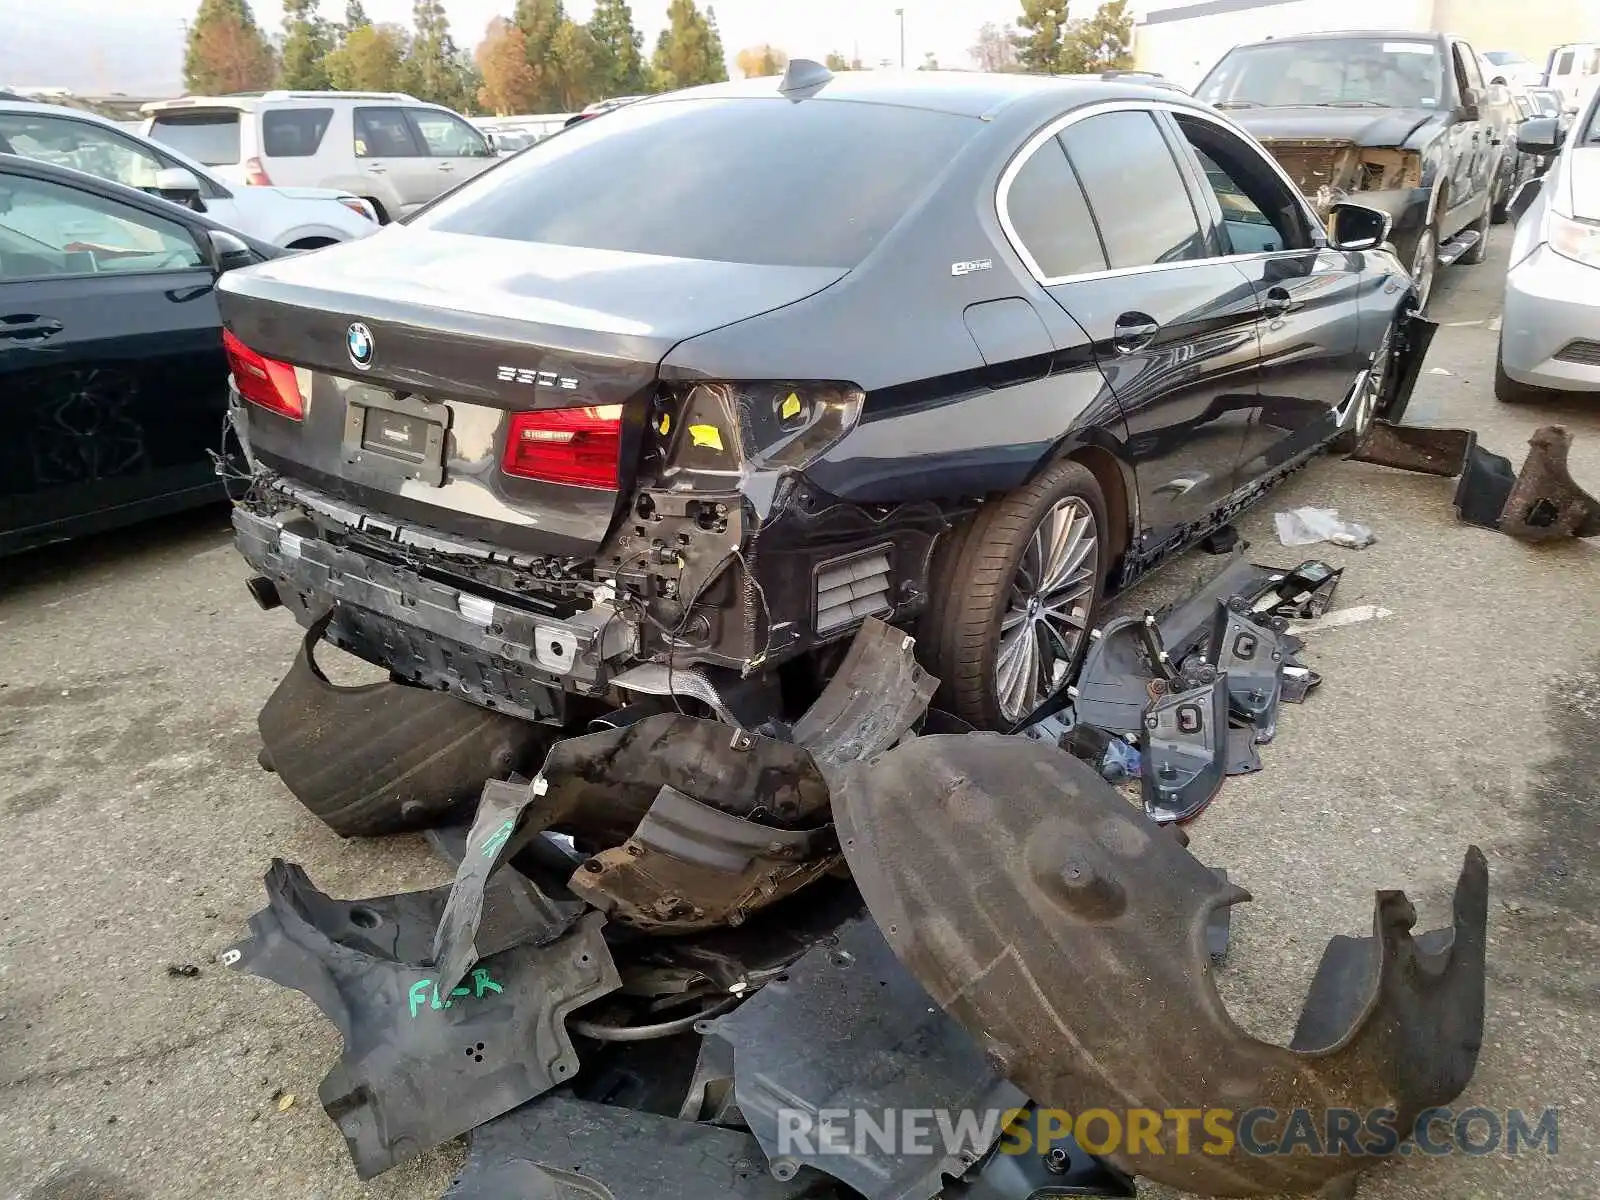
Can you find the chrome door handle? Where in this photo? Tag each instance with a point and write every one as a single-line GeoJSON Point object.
{"type": "Point", "coordinates": [375, 168]}
{"type": "Point", "coordinates": [1277, 302]}
{"type": "Point", "coordinates": [447, 166]}
{"type": "Point", "coordinates": [1134, 331]}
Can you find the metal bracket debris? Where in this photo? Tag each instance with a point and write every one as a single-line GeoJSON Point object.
{"type": "Point", "coordinates": [1540, 503]}
{"type": "Point", "coordinates": [1419, 448]}
{"type": "Point", "coordinates": [423, 1061]}
{"type": "Point", "coordinates": [1028, 865]}
{"type": "Point", "coordinates": [1184, 753]}
{"type": "Point", "coordinates": [849, 1028]}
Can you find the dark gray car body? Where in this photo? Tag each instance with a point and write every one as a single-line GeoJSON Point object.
{"type": "Point", "coordinates": [976, 372]}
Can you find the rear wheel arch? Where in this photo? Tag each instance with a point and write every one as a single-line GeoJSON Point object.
{"type": "Point", "coordinates": [377, 207]}
{"type": "Point", "coordinates": [1116, 489]}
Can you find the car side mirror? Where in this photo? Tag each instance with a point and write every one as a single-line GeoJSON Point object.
{"type": "Point", "coordinates": [1540, 135]}
{"type": "Point", "coordinates": [229, 251]}
{"type": "Point", "coordinates": [179, 186]}
{"type": "Point", "coordinates": [1357, 227]}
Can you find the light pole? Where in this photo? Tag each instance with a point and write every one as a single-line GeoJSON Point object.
{"type": "Point", "coordinates": [901, 13]}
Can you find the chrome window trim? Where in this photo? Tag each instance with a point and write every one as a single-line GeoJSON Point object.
{"type": "Point", "coordinates": [1020, 159]}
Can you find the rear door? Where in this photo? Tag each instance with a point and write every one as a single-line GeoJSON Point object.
{"type": "Point", "coordinates": [112, 380]}
{"type": "Point", "coordinates": [1173, 329]}
{"type": "Point", "coordinates": [1470, 143]}
{"type": "Point", "coordinates": [1309, 296]}
{"type": "Point", "coordinates": [392, 160]}
{"type": "Point", "coordinates": [456, 151]}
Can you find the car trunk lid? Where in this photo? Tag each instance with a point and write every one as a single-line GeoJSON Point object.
{"type": "Point", "coordinates": [422, 356]}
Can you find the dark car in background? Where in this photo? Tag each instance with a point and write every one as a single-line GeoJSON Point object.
{"type": "Point", "coordinates": [113, 384]}
{"type": "Point", "coordinates": [965, 352]}
{"type": "Point", "coordinates": [1396, 120]}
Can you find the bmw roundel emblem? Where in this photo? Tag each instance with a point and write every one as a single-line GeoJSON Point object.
{"type": "Point", "coordinates": [358, 340]}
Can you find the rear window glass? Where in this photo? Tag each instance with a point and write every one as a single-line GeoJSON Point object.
{"type": "Point", "coordinates": [293, 132]}
{"type": "Point", "coordinates": [208, 137]}
{"type": "Point", "coordinates": [818, 183]}
{"type": "Point", "coordinates": [1051, 217]}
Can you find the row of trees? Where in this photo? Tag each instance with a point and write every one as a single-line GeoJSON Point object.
{"type": "Point", "coordinates": [1047, 41]}
{"type": "Point", "coordinates": [540, 60]}
{"type": "Point", "coordinates": [537, 60]}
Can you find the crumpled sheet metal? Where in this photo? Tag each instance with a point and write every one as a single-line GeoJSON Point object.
{"type": "Point", "coordinates": [422, 1062]}
{"type": "Point", "coordinates": [877, 694]}
{"type": "Point", "coordinates": [1540, 503]}
{"type": "Point", "coordinates": [690, 866]}
{"type": "Point", "coordinates": [601, 785]}
{"type": "Point", "coordinates": [849, 1028]}
{"type": "Point", "coordinates": [424, 752]}
{"type": "Point", "coordinates": [1027, 868]}
{"type": "Point", "coordinates": [563, 1148]}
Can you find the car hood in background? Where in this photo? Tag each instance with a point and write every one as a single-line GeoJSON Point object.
{"type": "Point", "coordinates": [1583, 175]}
{"type": "Point", "coordinates": [1360, 126]}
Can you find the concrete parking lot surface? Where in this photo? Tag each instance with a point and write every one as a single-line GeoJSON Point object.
{"type": "Point", "coordinates": [137, 826]}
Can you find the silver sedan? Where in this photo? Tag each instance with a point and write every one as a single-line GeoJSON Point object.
{"type": "Point", "coordinates": [1550, 334]}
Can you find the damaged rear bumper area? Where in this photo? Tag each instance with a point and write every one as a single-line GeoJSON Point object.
{"type": "Point", "coordinates": [687, 959]}
{"type": "Point", "coordinates": [700, 581]}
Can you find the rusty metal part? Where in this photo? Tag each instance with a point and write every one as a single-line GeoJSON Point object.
{"type": "Point", "coordinates": [1544, 502]}
{"type": "Point", "coordinates": [1026, 867]}
{"type": "Point", "coordinates": [601, 785]}
{"type": "Point", "coordinates": [690, 866]}
{"type": "Point", "coordinates": [384, 757]}
{"type": "Point", "coordinates": [1416, 448]}
{"type": "Point", "coordinates": [877, 694]}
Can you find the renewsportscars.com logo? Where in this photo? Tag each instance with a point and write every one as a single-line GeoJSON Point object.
{"type": "Point", "coordinates": [1174, 1131]}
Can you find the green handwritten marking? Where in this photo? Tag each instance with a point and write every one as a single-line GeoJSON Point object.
{"type": "Point", "coordinates": [424, 993]}
{"type": "Point", "coordinates": [498, 838]}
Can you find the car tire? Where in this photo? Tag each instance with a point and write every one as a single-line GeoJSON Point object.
{"type": "Point", "coordinates": [1500, 205]}
{"type": "Point", "coordinates": [987, 576]}
{"type": "Point", "coordinates": [1508, 391]}
{"type": "Point", "coordinates": [1423, 273]}
{"type": "Point", "coordinates": [1364, 404]}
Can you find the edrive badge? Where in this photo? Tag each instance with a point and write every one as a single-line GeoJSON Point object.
{"type": "Point", "coordinates": [358, 341]}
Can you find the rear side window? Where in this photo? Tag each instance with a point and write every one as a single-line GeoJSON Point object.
{"type": "Point", "coordinates": [208, 137]}
{"type": "Point", "coordinates": [384, 133]}
{"type": "Point", "coordinates": [768, 181]}
{"type": "Point", "coordinates": [1046, 207]}
{"type": "Point", "coordinates": [1135, 190]}
{"type": "Point", "coordinates": [293, 132]}
{"type": "Point", "coordinates": [1564, 64]}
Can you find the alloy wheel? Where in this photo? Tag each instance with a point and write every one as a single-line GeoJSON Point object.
{"type": "Point", "coordinates": [1047, 611]}
{"type": "Point", "coordinates": [1363, 404]}
{"type": "Point", "coordinates": [1424, 264]}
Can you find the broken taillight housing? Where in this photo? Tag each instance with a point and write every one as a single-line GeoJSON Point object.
{"type": "Point", "coordinates": [264, 381]}
{"type": "Point", "coordinates": [577, 446]}
{"type": "Point", "coordinates": [779, 426]}
{"type": "Point", "coordinates": [255, 175]}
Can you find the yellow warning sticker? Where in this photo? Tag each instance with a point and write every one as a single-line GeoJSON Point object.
{"type": "Point", "coordinates": [790, 408]}
{"type": "Point", "coordinates": [664, 426]}
{"type": "Point", "coordinates": [706, 435]}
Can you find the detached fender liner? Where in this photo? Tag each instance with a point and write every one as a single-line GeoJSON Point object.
{"type": "Point", "coordinates": [1047, 915]}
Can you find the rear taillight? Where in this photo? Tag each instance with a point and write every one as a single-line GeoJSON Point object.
{"type": "Point", "coordinates": [255, 174]}
{"type": "Point", "coordinates": [577, 446]}
{"type": "Point", "coordinates": [264, 381]}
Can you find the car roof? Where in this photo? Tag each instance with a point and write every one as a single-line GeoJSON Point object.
{"type": "Point", "coordinates": [1338, 35]}
{"type": "Point", "coordinates": [251, 101]}
{"type": "Point", "coordinates": [18, 164]}
{"type": "Point", "coordinates": [963, 93]}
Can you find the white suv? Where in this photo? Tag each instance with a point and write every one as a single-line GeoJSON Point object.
{"type": "Point", "coordinates": [396, 151]}
{"type": "Point", "coordinates": [298, 218]}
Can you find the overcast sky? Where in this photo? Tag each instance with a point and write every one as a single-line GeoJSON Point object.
{"type": "Point", "coordinates": [132, 45]}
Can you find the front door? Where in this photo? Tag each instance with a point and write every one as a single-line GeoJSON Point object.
{"type": "Point", "coordinates": [113, 384]}
{"type": "Point", "coordinates": [456, 151]}
{"type": "Point", "coordinates": [1309, 296]}
{"type": "Point", "coordinates": [1173, 329]}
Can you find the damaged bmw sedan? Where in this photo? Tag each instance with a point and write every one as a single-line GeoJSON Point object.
{"type": "Point", "coordinates": [668, 405]}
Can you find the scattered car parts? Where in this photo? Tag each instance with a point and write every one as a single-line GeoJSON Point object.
{"type": "Point", "coordinates": [384, 757]}
{"type": "Point", "coordinates": [1539, 503]}
{"type": "Point", "coordinates": [1028, 865]}
{"type": "Point", "coordinates": [423, 1061]}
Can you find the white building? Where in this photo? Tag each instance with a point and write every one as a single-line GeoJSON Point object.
{"type": "Point", "coordinates": [1184, 38]}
